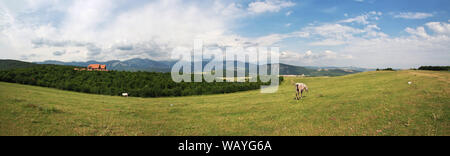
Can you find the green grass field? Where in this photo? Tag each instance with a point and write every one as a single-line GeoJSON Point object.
{"type": "Point", "coordinates": [369, 103]}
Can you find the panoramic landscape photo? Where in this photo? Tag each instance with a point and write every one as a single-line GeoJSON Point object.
{"type": "Point", "coordinates": [224, 68]}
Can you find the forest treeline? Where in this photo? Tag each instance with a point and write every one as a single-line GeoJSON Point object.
{"type": "Point", "coordinates": [435, 68]}
{"type": "Point", "coordinates": [138, 84]}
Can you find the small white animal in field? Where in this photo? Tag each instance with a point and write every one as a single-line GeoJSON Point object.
{"type": "Point", "coordinates": [409, 82]}
{"type": "Point", "coordinates": [171, 105]}
{"type": "Point", "coordinates": [300, 87]}
{"type": "Point", "coordinates": [125, 94]}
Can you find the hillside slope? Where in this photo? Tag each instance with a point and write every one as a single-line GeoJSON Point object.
{"type": "Point", "coordinates": [14, 64]}
{"type": "Point", "coordinates": [369, 103]}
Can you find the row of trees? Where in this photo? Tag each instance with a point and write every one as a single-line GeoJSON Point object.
{"type": "Point", "coordinates": [385, 69]}
{"type": "Point", "coordinates": [435, 68]}
{"type": "Point", "coordinates": [140, 84]}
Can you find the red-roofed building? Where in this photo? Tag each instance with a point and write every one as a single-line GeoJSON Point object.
{"type": "Point", "coordinates": [97, 67]}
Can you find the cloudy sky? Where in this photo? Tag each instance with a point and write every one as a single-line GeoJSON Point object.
{"type": "Point", "coordinates": [363, 33]}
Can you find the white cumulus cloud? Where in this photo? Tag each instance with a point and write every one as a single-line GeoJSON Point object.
{"type": "Point", "coordinates": [269, 6]}
{"type": "Point", "coordinates": [413, 15]}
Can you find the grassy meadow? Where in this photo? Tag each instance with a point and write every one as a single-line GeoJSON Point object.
{"type": "Point", "coordinates": [369, 103]}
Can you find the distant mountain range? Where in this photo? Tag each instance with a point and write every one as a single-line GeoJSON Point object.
{"type": "Point", "coordinates": [166, 66]}
{"type": "Point", "coordinates": [286, 69]}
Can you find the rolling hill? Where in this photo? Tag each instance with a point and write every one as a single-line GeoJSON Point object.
{"type": "Point", "coordinates": [14, 64]}
{"type": "Point", "coordinates": [368, 103]}
{"type": "Point", "coordinates": [137, 84]}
